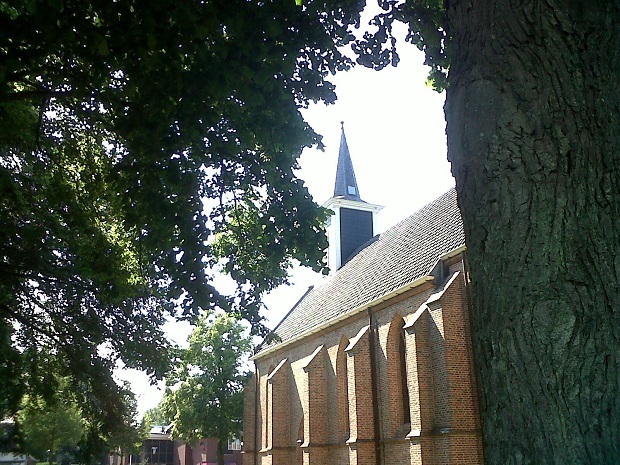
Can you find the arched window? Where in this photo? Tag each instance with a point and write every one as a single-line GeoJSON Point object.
{"type": "Point", "coordinates": [397, 374]}
{"type": "Point", "coordinates": [342, 380]}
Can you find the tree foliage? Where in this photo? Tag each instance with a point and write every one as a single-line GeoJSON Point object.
{"type": "Point", "coordinates": [428, 30]}
{"type": "Point", "coordinates": [73, 419]}
{"type": "Point", "coordinates": [156, 416]}
{"type": "Point", "coordinates": [130, 134]}
{"type": "Point", "coordinates": [128, 437]}
{"type": "Point", "coordinates": [50, 425]}
{"type": "Point", "coordinates": [206, 395]}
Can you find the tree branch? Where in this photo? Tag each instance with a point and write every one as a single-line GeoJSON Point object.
{"type": "Point", "coordinates": [34, 94]}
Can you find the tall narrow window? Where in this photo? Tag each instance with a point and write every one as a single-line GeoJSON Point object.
{"type": "Point", "coordinates": [397, 375]}
{"type": "Point", "coordinates": [266, 404]}
{"type": "Point", "coordinates": [402, 350]}
{"type": "Point", "coordinates": [342, 380]}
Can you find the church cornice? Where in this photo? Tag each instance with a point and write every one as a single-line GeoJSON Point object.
{"type": "Point", "coordinates": [355, 204]}
{"type": "Point", "coordinates": [395, 293]}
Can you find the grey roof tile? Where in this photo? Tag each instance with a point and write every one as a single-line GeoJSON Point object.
{"type": "Point", "coordinates": [399, 256]}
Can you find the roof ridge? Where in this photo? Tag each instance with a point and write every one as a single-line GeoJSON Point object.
{"type": "Point", "coordinates": [398, 256]}
{"type": "Point", "coordinates": [273, 331]}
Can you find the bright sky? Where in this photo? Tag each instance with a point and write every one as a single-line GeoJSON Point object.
{"type": "Point", "coordinates": [395, 131]}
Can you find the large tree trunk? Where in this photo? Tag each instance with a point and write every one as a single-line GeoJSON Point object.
{"type": "Point", "coordinates": [534, 139]}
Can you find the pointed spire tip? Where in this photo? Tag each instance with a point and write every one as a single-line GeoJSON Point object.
{"type": "Point", "coordinates": [346, 184]}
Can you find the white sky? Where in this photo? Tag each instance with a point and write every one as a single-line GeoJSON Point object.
{"type": "Point", "coordinates": [395, 131]}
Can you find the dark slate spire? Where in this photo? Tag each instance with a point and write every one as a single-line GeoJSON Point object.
{"type": "Point", "coordinates": [346, 185]}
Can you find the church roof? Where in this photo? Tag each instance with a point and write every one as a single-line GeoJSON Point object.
{"type": "Point", "coordinates": [399, 256]}
{"type": "Point", "coordinates": [346, 184]}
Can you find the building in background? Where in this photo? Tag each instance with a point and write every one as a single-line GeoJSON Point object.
{"type": "Point", "coordinates": [160, 449]}
{"type": "Point", "coordinates": [9, 458]}
{"type": "Point", "coordinates": [375, 366]}
{"type": "Point", "coordinates": [10, 454]}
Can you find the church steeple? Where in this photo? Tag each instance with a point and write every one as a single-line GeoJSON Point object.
{"type": "Point", "coordinates": [354, 221]}
{"type": "Point", "coordinates": [346, 184]}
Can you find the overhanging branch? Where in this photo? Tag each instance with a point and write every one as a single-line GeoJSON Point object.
{"type": "Point", "coordinates": [34, 95]}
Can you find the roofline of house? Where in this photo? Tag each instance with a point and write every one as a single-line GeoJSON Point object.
{"type": "Point", "coordinates": [453, 252]}
{"type": "Point", "coordinates": [344, 316]}
{"type": "Point", "coordinates": [284, 318]}
{"type": "Point", "coordinates": [413, 284]}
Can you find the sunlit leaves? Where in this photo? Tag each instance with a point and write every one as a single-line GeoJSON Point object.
{"type": "Point", "coordinates": [130, 433]}
{"type": "Point", "coordinates": [51, 428]}
{"type": "Point", "coordinates": [205, 398]}
{"type": "Point", "coordinates": [49, 425]}
{"type": "Point", "coordinates": [427, 30]}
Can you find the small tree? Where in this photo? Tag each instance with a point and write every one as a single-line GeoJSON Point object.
{"type": "Point", "coordinates": [128, 436]}
{"type": "Point", "coordinates": [206, 399]}
{"type": "Point", "coordinates": [50, 425]}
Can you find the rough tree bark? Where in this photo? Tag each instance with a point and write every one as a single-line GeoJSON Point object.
{"type": "Point", "coordinates": [534, 139]}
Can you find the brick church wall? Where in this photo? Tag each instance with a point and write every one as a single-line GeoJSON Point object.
{"type": "Point", "coordinates": [300, 420]}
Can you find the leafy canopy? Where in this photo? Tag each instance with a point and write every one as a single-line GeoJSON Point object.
{"type": "Point", "coordinates": [130, 132]}
{"type": "Point", "coordinates": [64, 416]}
{"type": "Point", "coordinates": [128, 437]}
{"type": "Point", "coordinates": [132, 135]}
{"type": "Point", "coordinates": [156, 416]}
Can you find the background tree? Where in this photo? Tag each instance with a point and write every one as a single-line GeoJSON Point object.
{"type": "Point", "coordinates": [127, 439]}
{"type": "Point", "coordinates": [156, 416]}
{"type": "Point", "coordinates": [206, 400]}
{"type": "Point", "coordinates": [50, 425]}
{"type": "Point", "coordinates": [68, 419]}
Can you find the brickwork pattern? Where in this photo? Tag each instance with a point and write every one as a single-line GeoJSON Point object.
{"type": "Point", "coordinates": [302, 411]}
{"type": "Point", "coordinates": [420, 375]}
{"type": "Point", "coordinates": [249, 416]}
{"type": "Point", "coordinates": [386, 383]}
{"type": "Point", "coordinates": [360, 391]}
{"type": "Point", "coordinates": [463, 398]}
{"type": "Point", "coordinates": [442, 412]}
{"type": "Point", "coordinates": [395, 396]}
{"type": "Point", "coordinates": [279, 421]}
{"type": "Point", "coordinates": [342, 407]}
{"type": "Point", "coordinates": [315, 446]}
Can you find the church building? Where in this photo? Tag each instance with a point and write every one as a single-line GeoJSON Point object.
{"type": "Point", "coordinates": [375, 366]}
